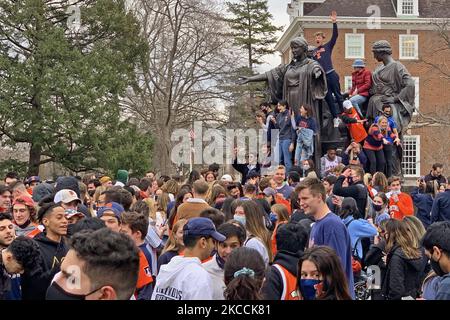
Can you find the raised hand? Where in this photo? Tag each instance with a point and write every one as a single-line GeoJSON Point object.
{"type": "Point", "coordinates": [333, 16]}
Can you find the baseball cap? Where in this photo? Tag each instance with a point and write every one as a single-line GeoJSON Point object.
{"type": "Point", "coordinates": [115, 207]}
{"type": "Point", "coordinates": [202, 227]}
{"type": "Point", "coordinates": [71, 213]}
{"type": "Point", "coordinates": [33, 179]}
{"type": "Point", "coordinates": [24, 200]}
{"type": "Point", "coordinates": [66, 196]}
{"type": "Point", "coordinates": [269, 192]}
{"type": "Point", "coordinates": [347, 104]}
{"type": "Point", "coordinates": [226, 177]}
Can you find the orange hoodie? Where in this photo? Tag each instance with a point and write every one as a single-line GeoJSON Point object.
{"type": "Point", "coordinates": [404, 206]}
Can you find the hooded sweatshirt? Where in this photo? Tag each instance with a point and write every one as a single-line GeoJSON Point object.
{"type": "Point", "coordinates": [52, 253]}
{"type": "Point", "coordinates": [273, 286]}
{"type": "Point", "coordinates": [217, 276]}
{"type": "Point", "coordinates": [404, 276]}
{"type": "Point", "coordinates": [183, 278]}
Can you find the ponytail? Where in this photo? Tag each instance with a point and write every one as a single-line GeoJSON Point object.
{"type": "Point", "coordinates": [243, 287]}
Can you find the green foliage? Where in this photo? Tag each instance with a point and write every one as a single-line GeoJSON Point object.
{"type": "Point", "coordinates": [252, 28]}
{"type": "Point", "coordinates": [129, 149]}
{"type": "Point", "coordinates": [60, 89]}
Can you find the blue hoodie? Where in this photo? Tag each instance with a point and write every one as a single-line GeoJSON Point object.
{"type": "Point", "coordinates": [359, 228]}
{"type": "Point", "coordinates": [441, 207]}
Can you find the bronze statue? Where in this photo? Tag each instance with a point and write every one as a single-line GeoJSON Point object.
{"type": "Point", "coordinates": [394, 86]}
{"type": "Point", "coordinates": [302, 81]}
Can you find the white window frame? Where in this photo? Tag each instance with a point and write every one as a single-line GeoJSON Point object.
{"type": "Point", "coordinates": [416, 49]}
{"type": "Point", "coordinates": [362, 38]}
{"type": "Point", "coordinates": [415, 8]}
{"type": "Point", "coordinates": [347, 83]}
{"type": "Point", "coordinates": [417, 155]}
{"type": "Point", "coordinates": [417, 93]}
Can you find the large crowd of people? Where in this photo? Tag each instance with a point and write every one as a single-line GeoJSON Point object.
{"type": "Point", "coordinates": [292, 229]}
{"type": "Point", "coordinates": [279, 236]}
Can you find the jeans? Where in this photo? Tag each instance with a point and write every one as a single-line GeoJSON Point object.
{"type": "Point", "coordinates": [285, 155]}
{"type": "Point", "coordinates": [388, 150]}
{"type": "Point", "coordinates": [334, 88]}
{"type": "Point", "coordinates": [376, 160]}
{"type": "Point", "coordinates": [305, 145]}
{"type": "Point", "coordinates": [357, 102]}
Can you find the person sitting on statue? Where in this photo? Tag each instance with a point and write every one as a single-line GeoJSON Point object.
{"type": "Point", "coordinates": [361, 84]}
{"type": "Point", "coordinates": [322, 54]}
{"type": "Point", "coordinates": [305, 126]}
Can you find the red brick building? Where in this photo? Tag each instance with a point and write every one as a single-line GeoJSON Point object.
{"type": "Point", "coordinates": [419, 32]}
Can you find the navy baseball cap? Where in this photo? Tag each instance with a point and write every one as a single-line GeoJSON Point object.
{"type": "Point", "coordinates": [202, 227]}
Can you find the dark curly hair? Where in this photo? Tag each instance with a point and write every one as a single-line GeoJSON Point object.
{"type": "Point", "coordinates": [244, 286]}
{"type": "Point", "coordinates": [27, 253]}
{"type": "Point", "coordinates": [110, 258]}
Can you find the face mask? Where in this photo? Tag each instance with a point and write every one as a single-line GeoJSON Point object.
{"type": "Point", "coordinates": [220, 261]}
{"type": "Point", "coordinates": [240, 219]}
{"type": "Point", "coordinates": [350, 180]}
{"type": "Point", "coordinates": [387, 114]}
{"type": "Point", "coordinates": [273, 217]}
{"type": "Point", "coordinates": [306, 167]}
{"type": "Point", "coordinates": [396, 192]}
{"type": "Point", "coordinates": [91, 193]}
{"type": "Point", "coordinates": [56, 292]}
{"type": "Point", "coordinates": [437, 268]}
{"type": "Point", "coordinates": [377, 207]}
{"type": "Point", "coordinates": [308, 288]}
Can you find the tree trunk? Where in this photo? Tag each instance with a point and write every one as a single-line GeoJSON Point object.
{"type": "Point", "coordinates": [34, 160]}
{"type": "Point", "coordinates": [161, 158]}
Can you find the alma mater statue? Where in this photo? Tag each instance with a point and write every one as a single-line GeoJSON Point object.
{"type": "Point", "coordinates": [300, 82]}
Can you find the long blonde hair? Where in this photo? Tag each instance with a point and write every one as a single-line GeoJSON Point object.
{"type": "Point", "coordinates": [398, 235]}
{"type": "Point", "coordinates": [255, 226]}
{"type": "Point", "coordinates": [171, 244]}
{"type": "Point", "coordinates": [416, 228]}
{"type": "Point", "coordinates": [151, 207]}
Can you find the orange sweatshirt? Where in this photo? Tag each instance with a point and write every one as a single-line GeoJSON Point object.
{"type": "Point", "coordinates": [404, 206]}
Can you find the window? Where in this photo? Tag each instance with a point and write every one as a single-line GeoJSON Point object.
{"type": "Point", "coordinates": [411, 156]}
{"type": "Point", "coordinates": [409, 46]}
{"type": "Point", "coordinates": [417, 92]}
{"type": "Point", "coordinates": [354, 46]}
{"type": "Point", "coordinates": [408, 7]}
{"type": "Point", "coordinates": [347, 83]}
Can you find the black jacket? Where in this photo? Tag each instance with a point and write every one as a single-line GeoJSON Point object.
{"type": "Point", "coordinates": [244, 170]}
{"type": "Point", "coordinates": [403, 275]}
{"type": "Point", "coordinates": [35, 287]}
{"type": "Point", "coordinates": [273, 286]}
{"type": "Point", "coordinates": [357, 191]}
{"type": "Point", "coordinates": [5, 282]}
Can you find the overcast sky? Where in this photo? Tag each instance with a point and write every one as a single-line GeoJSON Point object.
{"type": "Point", "coordinates": [278, 9]}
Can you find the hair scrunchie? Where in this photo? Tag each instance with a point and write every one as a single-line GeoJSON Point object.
{"type": "Point", "coordinates": [245, 272]}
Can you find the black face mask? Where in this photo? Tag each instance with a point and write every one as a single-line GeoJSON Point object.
{"type": "Point", "coordinates": [56, 292]}
{"type": "Point", "coordinates": [377, 207]}
{"type": "Point", "coordinates": [437, 268]}
{"type": "Point", "coordinates": [91, 193]}
{"type": "Point", "coordinates": [387, 114]}
{"type": "Point", "coordinates": [350, 180]}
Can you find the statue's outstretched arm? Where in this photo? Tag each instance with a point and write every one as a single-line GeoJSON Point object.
{"type": "Point", "coordinates": [257, 78]}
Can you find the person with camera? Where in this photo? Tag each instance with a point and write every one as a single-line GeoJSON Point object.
{"type": "Point", "coordinates": [423, 197]}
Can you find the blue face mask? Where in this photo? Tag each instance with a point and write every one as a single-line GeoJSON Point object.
{"type": "Point", "coordinates": [273, 217]}
{"type": "Point", "coordinates": [240, 219]}
{"type": "Point", "coordinates": [308, 288]}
